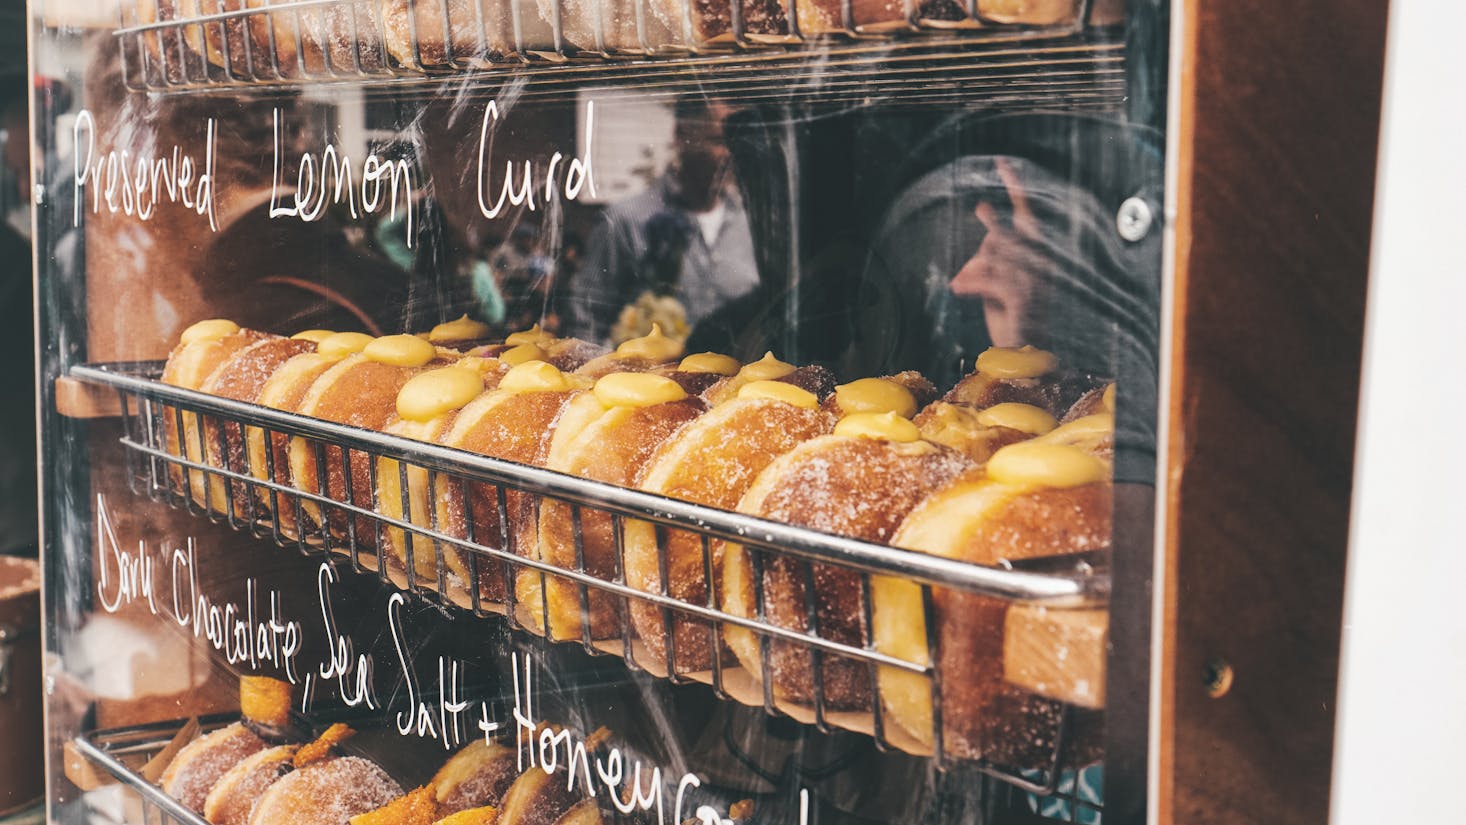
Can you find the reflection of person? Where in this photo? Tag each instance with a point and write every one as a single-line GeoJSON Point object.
{"type": "Point", "coordinates": [685, 237]}
{"type": "Point", "coordinates": [1011, 254]}
{"type": "Point", "coordinates": [1007, 268]}
{"type": "Point", "coordinates": [524, 275]}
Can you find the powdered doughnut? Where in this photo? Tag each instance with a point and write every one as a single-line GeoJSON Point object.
{"type": "Point", "coordinates": [193, 772]}
{"type": "Point", "coordinates": [853, 486]}
{"type": "Point", "coordinates": [328, 792]}
{"type": "Point", "coordinates": [234, 797]}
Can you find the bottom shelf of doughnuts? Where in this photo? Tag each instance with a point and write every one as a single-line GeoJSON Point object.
{"type": "Point", "coordinates": [1000, 668]}
{"type": "Point", "coordinates": [232, 769]}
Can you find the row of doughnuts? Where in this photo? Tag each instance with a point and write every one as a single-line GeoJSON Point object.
{"type": "Point", "coordinates": [440, 32]}
{"type": "Point", "coordinates": [1011, 463]}
{"type": "Point", "coordinates": [256, 772]}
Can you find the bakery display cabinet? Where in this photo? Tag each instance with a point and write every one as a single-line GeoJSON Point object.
{"type": "Point", "coordinates": [589, 411]}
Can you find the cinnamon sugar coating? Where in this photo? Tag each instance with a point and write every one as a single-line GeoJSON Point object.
{"type": "Point", "coordinates": [711, 461]}
{"type": "Point", "coordinates": [613, 449]}
{"type": "Point", "coordinates": [857, 487]}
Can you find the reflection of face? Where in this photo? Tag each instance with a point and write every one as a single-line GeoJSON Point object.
{"type": "Point", "coordinates": [1003, 285]}
{"type": "Point", "coordinates": [702, 159]}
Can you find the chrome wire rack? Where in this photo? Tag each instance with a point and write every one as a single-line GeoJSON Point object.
{"type": "Point", "coordinates": [185, 44]}
{"type": "Point", "coordinates": [178, 448]}
{"type": "Point", "coordinates": [124, 754]}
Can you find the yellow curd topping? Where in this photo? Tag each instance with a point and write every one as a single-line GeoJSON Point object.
{"type": "Point", "coordinates": [315, 336]}
{"type": "Point", "coordinates": [400, 351]}
{"type": "Point", "coordinates": [1084, 430]}
{"type": "Point", "coordinates": [533, 335]}
{"type": "Point", "coordinates": [476, 363]}
{"type": "Point", "coordinates": [1022, 417]}
{"type": "Point", "coordinates": [463, 329]}
{"type": "Point", "coordinates": [875, 395]}
{"type": "Point", "coordinates": [535, 376]}
{"type": "Point", "coordinates": [522, 354]}
{"type": "Point", "coordinates": [1107, 399]}
{"type": "Point", "coordinates": [654, 346]}
{"type": "Point", "coordinates": [435, 392]}
{"type": "Point", "coordinates": [210, 330]}
{"type": "Point", "coordinates": [779, 391]}
{"type": "Point", "coordinates": [1039, 464]}
{"type": "Point", "coordinates": [888, 426]}
{"type": "Point", "coordinates": [637, 389]}
{"type": "Point", "coordinates": [1016, 362]}
{"type": "Point", "coordinates": [709, 362]}
{"type": "Point", "coordinates": [343, 344]}
{"type": "Point", "coordinates": [951, 423]}
{"type": "Point", "coordinates": [766, 368]}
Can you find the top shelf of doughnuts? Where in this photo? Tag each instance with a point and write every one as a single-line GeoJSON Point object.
{"type": "Point", "coordinates": [185, 44]}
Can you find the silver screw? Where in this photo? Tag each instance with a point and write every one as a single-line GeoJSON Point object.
{"type": "Point", "coordinates": [1134, 219]}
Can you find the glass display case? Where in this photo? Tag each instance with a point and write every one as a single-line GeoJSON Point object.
{"type": "Point", "coordinates": [619, 411]}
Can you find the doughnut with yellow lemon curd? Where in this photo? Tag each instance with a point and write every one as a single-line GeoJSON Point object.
{"type": "Point", "coordinates": [1097, 400]}
{"type": "Point", "coordinates": [233, 798]}
{"type": "Point", "coordinates": [201, 349]}
{"type": "Point", "coordinates": [637, 412]}
{"type": "Point", "coordinates": [903, 393]}
{"type": "Point", "coordinates": [461, 334]}
{"type": "Point", "coordinates": [636, 355]}
{"type": "Point", "coordinates": [860, 481]}
{"type": "Point", "coordinates": [326, 792]}
{"type": "Point", "coordinates": [1036, 498]}
{"type": "Point", "coordinates": [199, 765]}
{"type": "Point", "coordinates": [711, 461]}
{"type": "Point", "coordinates": [284, 391]}
{"type": "Point", "coordinates": [241, 377]}
{"type": "Point", "coordinates": [514, 422]}
{"type": "Point", "coordinates": [1025, 375]}
{"type": "Point", "coordinates": [359, 390]}
{"type": "Point", "coordinates": [534, 344]}
{"type": "Point", "coordinates": [427, 405]}
{"type": "Point", "coordinates": [767, 368]}
{"type": "Point", "coordinates": [977, 434]}
{"type": "Point", "coordinates": [1094, 434]}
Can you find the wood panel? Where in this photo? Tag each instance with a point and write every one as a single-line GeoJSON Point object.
{"type": "Point", "coordinates": [1277, 128]}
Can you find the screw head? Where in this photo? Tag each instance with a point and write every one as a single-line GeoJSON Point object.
{"type": "Point", "coordinates": [1134, 219]}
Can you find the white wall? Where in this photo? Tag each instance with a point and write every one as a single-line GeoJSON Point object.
{"type": "Point", "coordinates": [1402, 713]}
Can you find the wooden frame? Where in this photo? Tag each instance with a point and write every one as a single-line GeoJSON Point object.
{"type": "Point", "coordinates": [1274, 136]}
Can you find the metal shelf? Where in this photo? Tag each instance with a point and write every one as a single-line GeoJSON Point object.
{"type": "Point", "coordinates": [314, 41]}
{"type": "Point", "coordinates": [179, 477]}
